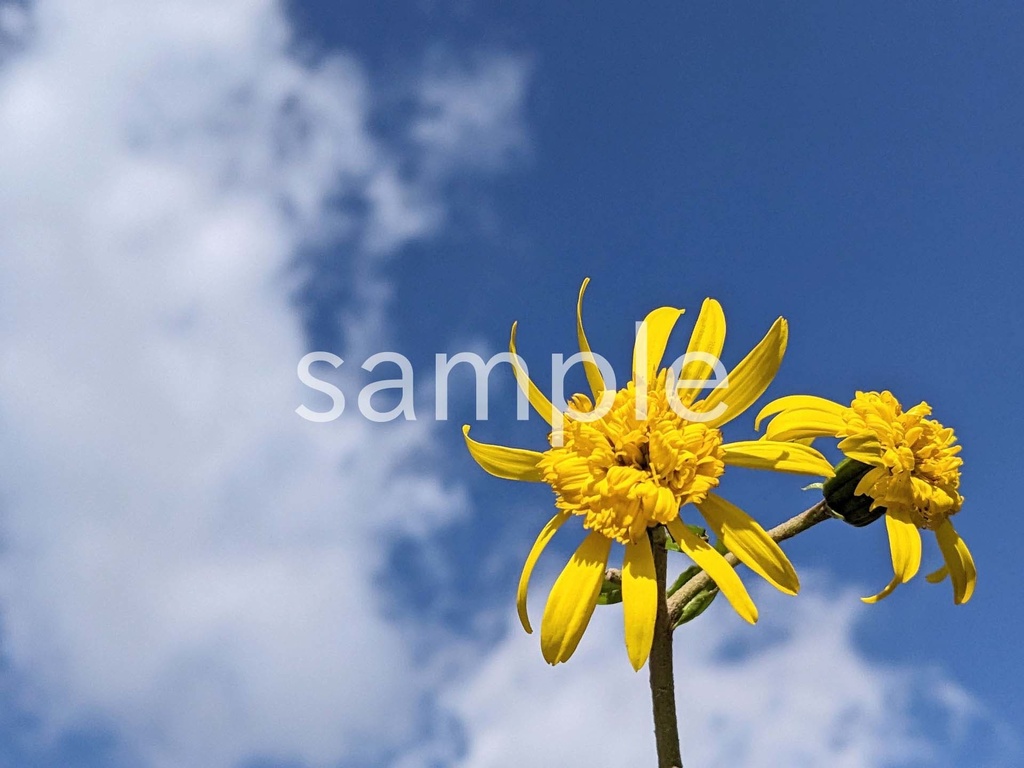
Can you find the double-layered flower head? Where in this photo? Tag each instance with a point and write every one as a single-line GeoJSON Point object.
{"type": "Point", "coordinates": [623, 473]}
{"type": "Point", "coordinates": [628, 463]}
{"type": "Point", "coordinates": [913, 471]}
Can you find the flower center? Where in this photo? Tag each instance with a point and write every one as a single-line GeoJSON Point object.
{"type": "Point", "coordinates": [919, 456]}
{"type": "Point", "coordinates": [625, 472]}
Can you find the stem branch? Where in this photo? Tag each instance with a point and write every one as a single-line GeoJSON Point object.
{"type": "Point", "coordinates": [786, 530]}
{"type": "Point", "coordinates": [663, 695]}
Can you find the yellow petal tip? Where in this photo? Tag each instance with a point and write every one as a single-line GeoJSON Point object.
{"type": "Point", "coordinates": [963, 599]}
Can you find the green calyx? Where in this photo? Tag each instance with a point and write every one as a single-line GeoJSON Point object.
{"type": "Point", "coordinates": [840, 497]}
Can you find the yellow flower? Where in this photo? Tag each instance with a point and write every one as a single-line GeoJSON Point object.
{"type": "Point", "coordinates": [913, 472]}
{"type": "Point", "coordinates": [630, 462]}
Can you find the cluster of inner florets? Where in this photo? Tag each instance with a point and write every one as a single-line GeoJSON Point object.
{"type": "Point", "coordinates": [920, 468]}
{"type": "Point", "coordinates": [627, 470]}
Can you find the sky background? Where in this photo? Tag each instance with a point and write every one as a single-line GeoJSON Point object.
{"type": "Point", "coordinates": [193, 195]}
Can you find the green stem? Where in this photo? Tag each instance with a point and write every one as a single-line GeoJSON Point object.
{"type": "Point", "coordinates": [663, 692]}
{"type": "Point", "coordinates": [688, 586]}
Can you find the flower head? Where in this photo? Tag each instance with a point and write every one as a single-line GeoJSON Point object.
{"type": "Point", "coordinates": [622, 473]}
{"type": "Point", "coordinates": [625, 461]}
{"type": "Point", "coordinates": [911, 469]}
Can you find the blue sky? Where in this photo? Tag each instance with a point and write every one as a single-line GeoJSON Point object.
{"type": "Point", "coordinates": [192, 575]}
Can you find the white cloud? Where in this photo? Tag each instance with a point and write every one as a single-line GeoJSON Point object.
{"type": "Point", "coordinates": [793, 691]}
{"type": "Point", "coordinates": [469, 118]}
{"type": "Point", "coordinates": [186, 559]}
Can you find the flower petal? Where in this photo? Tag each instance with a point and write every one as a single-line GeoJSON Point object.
{"type": "Point", "coordinates": [538, 399]}
{"type": "Point", "coordinates": [886, 591]}
{"type": "Point", "coordinates": [572, 599]}
{"type": "Point", "coordinates": [505, 462]}
{"type": "Point", "coordinates": [717, 567]}
{"type": "Point", "coordinates": [937, 576]}
{"type": "Point", "coordinates": [863, 448]}
{"type": "Point", "coordinates": [745, 538]}
{"type": "Point", "coordinates": [639, 600]}
{"type": "Point", "coordinates": [651, 340]}
{"type": "Point", "coordinates": [750, 378]}
{"type": "Point", "coordinates": [904, 543]}
{"type": "Point", "coordinates": [802, 402]}
{"type": "Point", "coordinates": [545, 535]}
{"type": "Point", "coordinates": [778, 457]}
{"type": "Point", "coordinates": [959, 562]}
{"type": "Point", "coordinates": [867, 482]}
{"type": "Point", "coordinates": [594, 376]}
{"type": "Point", "coordinates": [905, 548]}
{"type": "Point", "coordinates": [708, 338]}
{"type": "Point", "coordinates": [799, 423]}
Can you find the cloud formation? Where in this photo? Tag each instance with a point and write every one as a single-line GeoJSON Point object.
{"type": "Point", "coordinates": [793, 691]}
{"type": "Point", "coordinates": [188, 564]}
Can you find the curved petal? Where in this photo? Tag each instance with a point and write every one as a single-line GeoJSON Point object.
{"type": "Point", "coordinates": [938, 576]}
{"type": "Point", "coordinates": [707, 339]}
{"type": "Point", "coordinates": [545, 535]}
{"type": "Point", "coordinates": [651, 340]}
{"type": "Point", "coordinates": [538, 399]}
{"type": "Point", "coordinates": [905, 547]}
{"type": "Point", "coordinates": [958, 559]}
{"type": "Point", "coordinates": [803, 402]}
{"type": "Point", "coordinates": [866, 483]}
{"type": "Point", "coordinates": [717, 567]}
{"type": "Point", "coordinates": [863, 448]}
{"type": "Point", "coordinates": [778, 457]}
{"type": "Point", "coordinates": [639, 600]}
{"type": "Point", "coordinates": [501, 461]}
{"type": "Point", "coordinates": [750, 378]}
{"type": "Point", "coordinates": [745, 538]}
{"type": "Point", "coordinates": [886, 591]}
{"type": "Point", "coordinates": [573, 598]}
{"type": "Point", "coordinates": [799, 423]}
{"type": "Point", "coordinates": [594, 376]}
{"type": "Point", "coordinates": [904, 543]}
